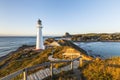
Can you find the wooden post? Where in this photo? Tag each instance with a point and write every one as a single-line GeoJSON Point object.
{"type": "Point", "coordinates": [25, 74]}
{"type": "Point", "coordinates": [71, 64]}
{"type": "Point", "coordinates": [71, 61]}
{"type": "Point", "coordinates": [80, 61]}
{"type": "Point", "coordinates": [51, 68]}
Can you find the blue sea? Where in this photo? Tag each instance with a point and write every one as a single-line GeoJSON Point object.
{"type": "Point", "coordinates": [8, 44]}
{"type": "Point", "coordinates": [104, 49]}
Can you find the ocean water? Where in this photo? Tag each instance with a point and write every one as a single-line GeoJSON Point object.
{"type": "Point", "coordinates": [8, 44]}
{"type": "Point", "coordinates": [104, 49]}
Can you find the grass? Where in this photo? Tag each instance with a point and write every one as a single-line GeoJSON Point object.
{"type": "Point", "coordinates": [22, 59]}
{"type": "Point", "coordinates": [108, 69]}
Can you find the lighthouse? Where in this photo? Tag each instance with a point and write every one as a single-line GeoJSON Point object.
{"type": "Point", "coordinates": [39, 38]}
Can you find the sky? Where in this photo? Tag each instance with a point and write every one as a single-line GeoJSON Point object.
{"type": "Point", "coordinates": [19, 17]}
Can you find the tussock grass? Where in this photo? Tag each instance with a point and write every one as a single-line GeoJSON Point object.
{"type": "Point", "coordinates": [108, 69]}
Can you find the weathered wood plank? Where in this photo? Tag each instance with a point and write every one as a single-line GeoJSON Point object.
{"type": "Point", "coordinates": [43, 73]}
{"type": "Point", "coordinates": [48, 70]}
{"type": "Point", "coordinates": [42, 76]}
{"type": "Point", "coordinates": [31, 78]}
{"type": "Point", "coordinates": [28, 78]}
{"type": "Point", "coordinates": [38, 76]}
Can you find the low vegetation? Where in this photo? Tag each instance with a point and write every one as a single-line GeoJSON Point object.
{"type": "Point", "coordinates": [67, 44]}
{"type": "Point", "coordinates": [23, 58]}
{"type": "Point", "coordinates": [108, 69]}
{"type": "Point", "coordinates": [26, 56]}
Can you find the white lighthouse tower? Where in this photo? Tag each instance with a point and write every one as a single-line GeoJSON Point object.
{"type": "Point", "coordinates": [39, 40]}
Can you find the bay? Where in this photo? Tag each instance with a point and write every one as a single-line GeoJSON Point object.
{"type": "Point", "coordinates": [104, 49]}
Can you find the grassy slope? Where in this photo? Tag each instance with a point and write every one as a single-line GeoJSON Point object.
{"type": "Point", "coordinates": [108, 69]}
{"type": "Point", "coordinates": [78, 49]}
{"type": "Point", "coordinates": [22, 59]}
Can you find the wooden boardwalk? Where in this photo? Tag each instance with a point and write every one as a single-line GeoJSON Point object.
{"type": "Point", "coordinates": [41, 74]}
{"type": "Point", "coordinates": [44, 73]}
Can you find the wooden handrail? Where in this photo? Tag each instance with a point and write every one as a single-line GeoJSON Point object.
{"type": "Point", "coordinates": [12, 75]}
{"type": "Point", "coordinates": [60, 61]}
{"type": "Point", "coordinates": [39, 65]}
{"type": "Point", "coordinates": [24, 71]}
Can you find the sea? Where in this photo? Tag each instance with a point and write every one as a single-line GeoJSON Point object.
{"type": "Point", "coordinates": [104, 49]}
{"type": "Point", "coordinates": [8, 44]}
{"type": "Point", "coordinates": [101, 49]}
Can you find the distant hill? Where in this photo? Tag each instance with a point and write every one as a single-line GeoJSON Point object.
{"type": "Point", "coordinates": [96, 37]}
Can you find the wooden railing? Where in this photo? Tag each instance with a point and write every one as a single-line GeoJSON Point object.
{"type": "Point", "coordinates": [25, 70]}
